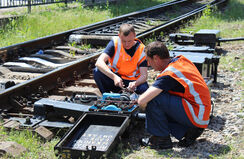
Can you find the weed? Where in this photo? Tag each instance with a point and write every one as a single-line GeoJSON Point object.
{"type": "Point", "coordinates": [207, 12]}
{"type": "Point", "coordinates": [61, 5]}
{"type": "Point", "coordinates": [107, 5]}
{"type": "Point", "coordinates": [73, 44]}
{"type": "Point", "coordinates": [154, 23]}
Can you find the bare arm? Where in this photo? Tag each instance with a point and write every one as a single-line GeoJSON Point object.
{"type": "Point", "coordinates": [102, 66]}
{"type": "Point", "coordinates": [147, 96]}
{"type": "Point", "coordinates": [140, 80]}
{"type": "Point", "coordinates": [143, 77]}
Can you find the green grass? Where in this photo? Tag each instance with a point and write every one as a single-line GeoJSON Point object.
{"type": "Point", "coordinates": [235, 145]}
{"type": "Point", "coordinates": [230, 22]}
{"type": "Point", "coordinates": [232, 63]}
{"type": "Point", "coordinates": [35, 147]}
{"type": "Point", "coordinates": [41, 22]}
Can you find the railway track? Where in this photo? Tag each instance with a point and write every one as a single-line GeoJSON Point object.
{"type": "Point", "coordinates": [48, 82]}
{"type": "Point", "coordinates": [43, 55]}
{"type": "Point", "coordinates": [46, 68]}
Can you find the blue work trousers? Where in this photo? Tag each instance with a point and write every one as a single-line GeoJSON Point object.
{"type": "Point", "coordinates": [106, 84]}
{"type": "Point", "coordinates": [165, 115]}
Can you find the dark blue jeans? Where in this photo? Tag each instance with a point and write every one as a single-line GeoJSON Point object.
{"type": "Point", "coordinates": [106, 84]}
{"type": "Point", "coordinates": [165, 115]}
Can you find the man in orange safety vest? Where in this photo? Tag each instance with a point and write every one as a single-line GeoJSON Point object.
{"type": "Point", "coordinates": [177, 104]}
{"type": "Point", "coordinates": [123, 64]}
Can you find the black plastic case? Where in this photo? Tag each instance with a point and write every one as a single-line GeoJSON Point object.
{"type": "Point", "coordinates": [92, 135]}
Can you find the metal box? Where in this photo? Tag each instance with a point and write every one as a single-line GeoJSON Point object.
{"type": "Point", "coordinates": [206, 37]}
{"type": "Point", "coordinates": [206, 63]}
{"type": "Point", "coordinates": [92, 136]}
{"type": "Point", "coordinates": [182, 39]}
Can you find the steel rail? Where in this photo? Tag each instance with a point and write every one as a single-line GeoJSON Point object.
{"type": "Point", "coordinates": [47, 81]}
{"type": "Point", "coordinates": [178, 20]}
{"type": "Point", "coordinates": [59, 38]}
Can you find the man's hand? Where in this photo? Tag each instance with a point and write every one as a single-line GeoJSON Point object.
{"type": "Point", "coordinates": [132, 86]}
{"type": "Point", "coordinates": [118, 81]}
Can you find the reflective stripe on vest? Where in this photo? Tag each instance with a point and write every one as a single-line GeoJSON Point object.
{"type": "Point", "coordinates": [116, 58]}
{"type": "Point", "coordinates": [198, 119]}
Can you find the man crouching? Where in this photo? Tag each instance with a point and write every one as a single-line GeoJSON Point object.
{"type": "Point", "coordinates": [177, 104]}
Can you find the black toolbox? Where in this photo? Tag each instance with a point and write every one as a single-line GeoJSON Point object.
{"type": "Point", "coordinates": [206, 37]}
{"type": "Point", "coordinates": [92, 136]}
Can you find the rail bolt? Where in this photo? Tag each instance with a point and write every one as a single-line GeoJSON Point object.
{"type": "Point", "coordinates": [28, 121]}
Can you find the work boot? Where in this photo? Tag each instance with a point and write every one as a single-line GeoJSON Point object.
{"type": "Point", "coordinates": [157, 142]}
{"type": "Point", "coordinates": [190, 137]}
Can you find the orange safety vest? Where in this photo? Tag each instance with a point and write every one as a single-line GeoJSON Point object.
{"type": "Point", "coordinates": [196, 98]}
{"type": "Point", "coordinates": [125, 65]}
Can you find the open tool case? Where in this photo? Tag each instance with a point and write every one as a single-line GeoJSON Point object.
{"type": "Point", "coordinates": [96, 132]}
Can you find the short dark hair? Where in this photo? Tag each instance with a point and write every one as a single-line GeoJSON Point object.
{"type": "Point", "coordinates": [126, 29]}
{"type": "Point", "coordinates": [157, 48]}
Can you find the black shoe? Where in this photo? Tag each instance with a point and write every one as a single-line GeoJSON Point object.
{"type": "Point", "coordinates": [190, 137]}
{"type": "Point", "coordinates": [157, 142]}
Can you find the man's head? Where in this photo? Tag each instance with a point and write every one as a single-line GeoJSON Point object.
{"type": "Point", "coordinates": [127, 35]}
{"type": "Point", "coordinates": [157, 55]}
